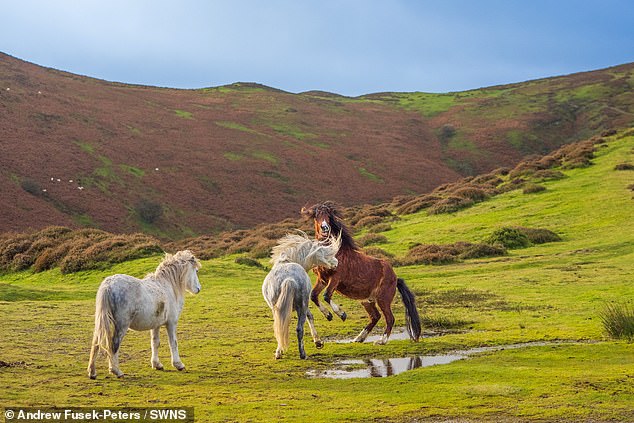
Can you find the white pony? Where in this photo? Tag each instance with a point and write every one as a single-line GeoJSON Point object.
{"type": "Point", "coordinates": [125, 302]}
{"type": "Point", "coordinates": [288, 286]}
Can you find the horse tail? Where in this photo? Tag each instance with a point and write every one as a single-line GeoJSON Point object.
{"type": "Point", "coordinates": [411, 313]}
{"type": "Point", "coordinates": [282, 313]}
{"type": "Point", "coordinates": [104, 321]}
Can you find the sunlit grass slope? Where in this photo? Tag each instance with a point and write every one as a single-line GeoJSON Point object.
{"type": "Point", "coordinates": [549, 292]}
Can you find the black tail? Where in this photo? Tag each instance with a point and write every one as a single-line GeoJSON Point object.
{"type": "Point", "coordinates": [411, 313]}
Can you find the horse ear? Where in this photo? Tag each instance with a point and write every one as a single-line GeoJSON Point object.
{"type": "Point", "coordinates": [308, 212]}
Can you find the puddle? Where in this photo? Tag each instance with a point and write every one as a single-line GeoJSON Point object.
{"type": "Point", "coordinates": [374, 367]}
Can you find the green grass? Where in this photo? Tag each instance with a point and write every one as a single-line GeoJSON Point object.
{"type": "Point", "coordinates": [184, 114]}
{"type": "Point", "coordinates": [371, 176]}
{"type": "Point", "coordinates": [265, 155]}
{"type": "Point", "coordinates": [237, 126]}
{"type": "Point", "coordinates": [134, 171]}
{"type": "Point", "coordinates": [234, 157]}
{"type": "Point", "coordinates": [292, 131]}
{"type": "Point", "coordinates": [552, 291]}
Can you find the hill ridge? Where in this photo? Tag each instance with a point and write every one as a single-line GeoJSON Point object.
{"type": "Point", "coordinates": [230, 157]}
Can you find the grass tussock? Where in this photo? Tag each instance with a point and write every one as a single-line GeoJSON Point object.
{"type": "Point", "coordinates": [72, 250]}
{"type": "Point", "coordinates": [449, 253]}
{"type": "Point", "coordinates": [92, 248]}
{"type": "Point", "coordinates": [618, 321]}
{"type": "Point", "coordinates": [452, 197]}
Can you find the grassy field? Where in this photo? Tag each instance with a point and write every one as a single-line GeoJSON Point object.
{"type": "Point", "coordinates": [552, 292]}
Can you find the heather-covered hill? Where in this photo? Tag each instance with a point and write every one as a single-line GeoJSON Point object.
{"type": "Point", "coordinates": [81, 152]}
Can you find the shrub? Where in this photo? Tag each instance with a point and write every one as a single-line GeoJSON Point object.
{"type": "Point", "coordinates": [370, 239]}
{"type": "Point", "coordinates": [624, 166]}
{"type": "Point", "coordinates": [450, 204]}
{"type": "Point", "coordinates": [379, 253]}
{"type": "Point", "coordinates": [368, 221]}
{"type": "Point", "coordinates": [618, 321]}
{"type": "Point", "coordinates": [380, 227]}
{"type": "Point", "coordinates": [532, 188]}
{"type": "Point", "coordinates": [447, 132]}
{"type": "Point", "coordinates": [547, 175]}
{"type": "Point", "coordinates": [431, 254]}
{"type": "Point", "coordinates": [30, 186]}
{"type": "Point", "coordinates": [510, 238]}
{"type": "Point", "coordinates": [472, 251]}
{"type": "Point", "coordinates": [471, 193]}
{"type": "Point", "coordinates": [248, 261]}
{"type": "Point", "coordinates": [539, 236]}
{"type": "Point", "coordinates": [417, 204]}
{"type": "Point", "coordinates": [149, 211]}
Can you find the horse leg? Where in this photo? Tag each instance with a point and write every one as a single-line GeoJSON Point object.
{"type": "Point", "coordinates": [171, 337]}
{"type": "Point", "coordinates": [314, 296]}
{"type": "Point", "coordinates": [375, 316]}
{"type": "Point", "coordinates": [330, 289]}
{"type": "Point", "coordinates": [94, 349]}
{"type": "Point", "coordinates": [301, 320]}
{"type": "Point", "coordinates": [114, 354]}
{"type": "Point", "coordinates": [311, 324]}
{"type": "Point", "coordinates": [155, 342]}
{"type": "Point", "coordinates": [386, 308]}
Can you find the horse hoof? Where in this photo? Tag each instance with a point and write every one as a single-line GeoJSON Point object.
{"type": "Point", "coordinates": [117, 373]}
{"type": "Point", "coordinates": [158, 367]}
{"type": "Point", "coordinates": [343, 316]}
{"type": "Point", "coordinates": [303, 356]}
{"type": "Point", "coordinates": [93, 377]}
{"type": "Point", "coordinates": [319, 344]}
{"type": "Point", "coordinates": [329, 317]}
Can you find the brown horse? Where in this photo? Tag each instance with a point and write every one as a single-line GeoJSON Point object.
{"type": "Point", "coordinates": [359, 276]}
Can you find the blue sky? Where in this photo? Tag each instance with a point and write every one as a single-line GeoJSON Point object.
{"type": "Point", "coordinates": [350, 47]}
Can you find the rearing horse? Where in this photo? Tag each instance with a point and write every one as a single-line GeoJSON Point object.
{"type": "Point", "coordinates": [359, 276]}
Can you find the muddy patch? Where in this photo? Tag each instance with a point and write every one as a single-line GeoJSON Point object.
{"type": "Point", "coordinates": [383, 367]}
{"type": "Point", "coordinates": [12, 364]}
{"type": "Point", "coordinates": [398, 334]}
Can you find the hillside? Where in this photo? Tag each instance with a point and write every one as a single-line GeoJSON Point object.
{"type": "Point", "coordinates": [82, 152]}
{"type": "Point", "coordinates": [539, 306]}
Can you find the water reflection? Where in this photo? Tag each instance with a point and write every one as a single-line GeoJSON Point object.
{"type": "Point", "coordinates": [383, 367]}
{"type": "Point", "coordinates": [376, 367]}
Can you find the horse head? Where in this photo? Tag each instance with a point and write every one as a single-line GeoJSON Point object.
{"type": "Point", "coordinates": [190, 266]}
{"type": "Point", "coordinates": [327, 219]}
{"type": "Point", "coordinates": [328, 222]}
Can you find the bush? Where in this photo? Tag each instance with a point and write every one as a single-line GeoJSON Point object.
{"type": "Point", "coordinates": [532, 188]}
{"type": "Point", "coordinates": [368, 221]}
{"type": "Point", "coordinates": [417, 204]}
{"type": "Point", "coordinates": [618, 321]}
{"type": "Point", "coordinates": [472, 251]}
{"type": "Point", "coordinates": [248, 261]}
{"type": "Point", "coordinates": [30, 186]}
{"type": "Point", "coordinates": [370, 239]}
{"type": "Point", "coordinates": [624, 166]}
{"type": "Point", "coordinates": [450, 205]}
{"type": "Point", "coordinates": [379, 253]}
{"type": "Point", "coordinates": [149, 211]}
{"type": "Point", "coordinates": [449, 253]}
{"type": "Point", "coordinates": [539, 236]}
{"type": "Point", "coordinates": [510, 238]}
{"type": "Point", "coordinates": [380, 227]}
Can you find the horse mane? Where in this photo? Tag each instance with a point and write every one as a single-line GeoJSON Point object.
{"type": "Point", "coordinates": [298, 248]}
{"type": "Point", "coordinates": [336, 223]}
{"type": "Point", "coordinates": [291, 247]}
{"type": "Point", "coordinates": [171, 267]}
